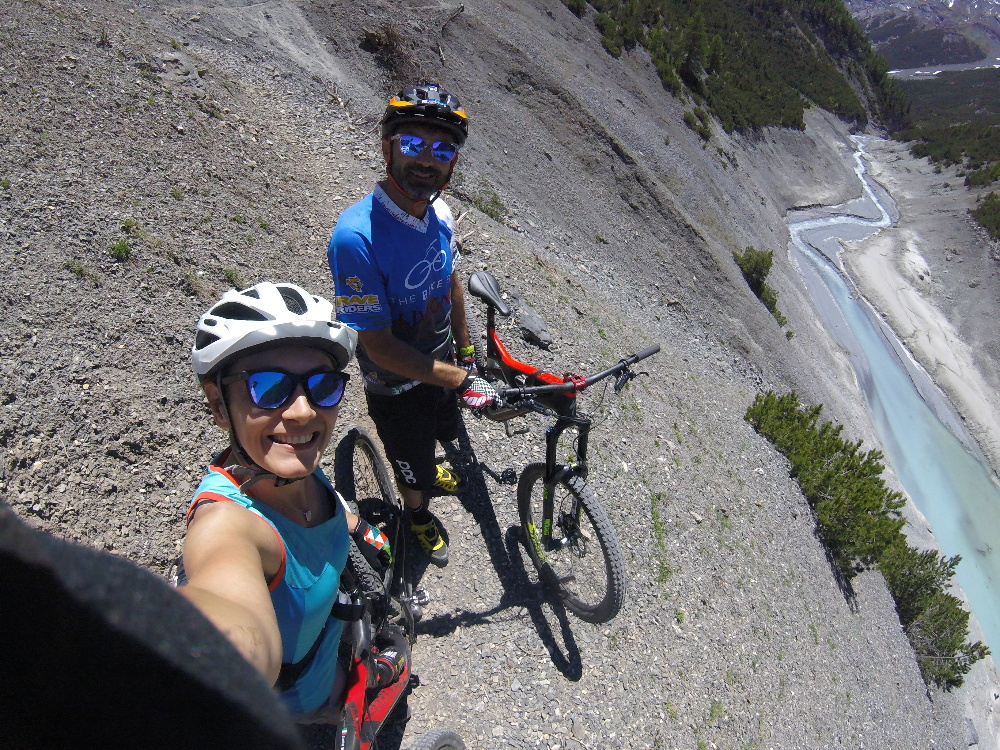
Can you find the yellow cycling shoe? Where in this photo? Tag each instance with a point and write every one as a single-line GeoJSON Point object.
{"type": "Point", "coordinates": [448, 481]}
{"type": "Point", "coordinates": [431, 541]}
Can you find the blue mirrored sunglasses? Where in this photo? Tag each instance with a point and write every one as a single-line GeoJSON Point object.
{"type": "Point", "coordinates": [414, 145]}
{"type": "Point", "coordinates": [272, 389]}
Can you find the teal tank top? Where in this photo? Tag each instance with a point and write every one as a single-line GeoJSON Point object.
{"type": "Point", "coordinates": [305, 587]}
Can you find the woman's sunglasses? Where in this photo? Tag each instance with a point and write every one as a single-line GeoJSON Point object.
{"type": "Point", "coordinates": [414, 145]}
{"type": "Point", "coordinates": [272, 389]}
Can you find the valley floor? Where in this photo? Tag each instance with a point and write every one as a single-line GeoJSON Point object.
{"type": "Point", "coordinates": [935, 277]}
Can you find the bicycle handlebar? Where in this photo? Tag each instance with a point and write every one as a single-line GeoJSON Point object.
{"type": "Point", "coordinates": [570, 386]}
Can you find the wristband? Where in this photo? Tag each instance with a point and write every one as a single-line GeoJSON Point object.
{"type": "Point", "coordinates": [465, 351]}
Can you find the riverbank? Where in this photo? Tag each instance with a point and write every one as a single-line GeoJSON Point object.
{"type": "Point", "coordinates": [933, 277]}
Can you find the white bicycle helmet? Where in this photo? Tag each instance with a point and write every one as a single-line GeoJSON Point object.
{"type": "Point", "coordinates": [246, 321]}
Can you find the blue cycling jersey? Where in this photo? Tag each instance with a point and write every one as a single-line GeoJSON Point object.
{"type": "Point", "coordinates": [393, 270]}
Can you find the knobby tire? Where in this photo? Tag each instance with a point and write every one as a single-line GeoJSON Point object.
{"type": "Point", "coordinates": [362, 478]}
{"type": "Point", "coordinates": [439, 739]}
{"type": "Point", "coordinates": [480, 343]}
{"type": "Point", "coordinates": [588, 573]}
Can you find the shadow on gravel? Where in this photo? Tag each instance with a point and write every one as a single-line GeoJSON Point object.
{"type": "Point", "coordinates": [843, 582]}
{"type": "Point", "coordinates": [519, 589]}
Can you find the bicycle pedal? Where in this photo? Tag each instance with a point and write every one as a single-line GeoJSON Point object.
{"type": "Point", "coordinates": [511, 430]}
{"type": "Point", "coordinates": [421, 597]}
{"type": "Point", "coordinates": [416, 611]}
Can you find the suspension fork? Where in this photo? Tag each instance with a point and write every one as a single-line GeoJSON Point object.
{"type": "Point", "coordinates": [552, 435]}
{"type": "Point", "coordinates": [554, 473]}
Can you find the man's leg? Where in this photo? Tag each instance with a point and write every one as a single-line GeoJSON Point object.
{"type": "Point", "coordinates": [411, 498]}
{"type": "Point", "coordinates": [446, 430]}
{"type": "Point", "coordinates": [406, 424]}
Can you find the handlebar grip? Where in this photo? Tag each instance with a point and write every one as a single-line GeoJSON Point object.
{"type": "Point", "coordinates": [649, 351]}
{"type": "Point", "coordinates": [569, 386]}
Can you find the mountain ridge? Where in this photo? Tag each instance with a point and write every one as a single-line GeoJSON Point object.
{"type": "Point", "coordinates": [940, 32]}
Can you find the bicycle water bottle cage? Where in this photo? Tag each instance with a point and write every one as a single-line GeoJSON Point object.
{"type": "Point", "coordinates": [482, 284]}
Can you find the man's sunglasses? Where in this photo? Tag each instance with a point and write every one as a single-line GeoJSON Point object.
{"type": "Point", "coordinates": [414, 145]}
{"type": "Point", "coordinates": [272, 389]}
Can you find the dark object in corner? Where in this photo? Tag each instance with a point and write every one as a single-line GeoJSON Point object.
{"type": "Point", "coordinates": [99, 652]}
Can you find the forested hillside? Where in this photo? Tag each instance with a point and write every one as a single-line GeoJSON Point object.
{"type": "Point", "coordinates": [956, 121]}
{"type": "Point", "coordinates": [754, 63]}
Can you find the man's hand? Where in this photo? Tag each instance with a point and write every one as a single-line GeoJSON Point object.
{"type": "Point", "coordinates": [477, 393]}
{"type": "Point", "coordinates": [373, 544]}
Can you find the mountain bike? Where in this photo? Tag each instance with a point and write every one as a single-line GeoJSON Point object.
{"type": "Point", "coordinates": [567, 532]}
{"type": "Point", "coordinates": [391, 605]}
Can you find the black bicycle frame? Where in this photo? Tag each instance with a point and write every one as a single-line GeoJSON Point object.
{"type": "Point", "coordinates": [561, 405]}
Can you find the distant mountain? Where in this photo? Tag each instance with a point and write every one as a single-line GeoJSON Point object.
{"type": "Point", "coordinates": [943, 10]}
{"type": "Point", "coordinates": [937, 32]}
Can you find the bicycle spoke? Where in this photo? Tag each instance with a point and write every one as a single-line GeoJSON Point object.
{"type": "Point", "coordinates": [364, 481]}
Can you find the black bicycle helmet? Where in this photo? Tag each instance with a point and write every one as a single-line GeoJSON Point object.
{"type": "Point", "coordinates": [429, 104]}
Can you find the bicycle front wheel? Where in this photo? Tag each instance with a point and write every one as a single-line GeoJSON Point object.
{"type": "Point", "coordinates": [362, 478]}
{"type": "Point", "coordinates": [575, 548]}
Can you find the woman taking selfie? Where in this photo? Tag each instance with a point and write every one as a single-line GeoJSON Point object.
{"type": "Point", "coordinates": [267, 535]}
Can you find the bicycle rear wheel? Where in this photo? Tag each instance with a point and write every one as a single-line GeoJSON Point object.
{"type": "Point", "coordinates": [362, 478]}
{"type": "Point", "coordinates": [439, 739]}
{"type": "Point", "coordinates": [580, 556]}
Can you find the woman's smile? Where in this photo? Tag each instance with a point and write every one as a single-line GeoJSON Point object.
{"type": "Point", "coordinates": [295, 440]}
{"type": "Point", "coordinates": [289, 440]}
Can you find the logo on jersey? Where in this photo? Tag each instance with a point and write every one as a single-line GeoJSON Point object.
{"type": "Point", "coordinates": [355, 283]}
{"type": "Point", "coordinates": [369, 303]}
{"type": "Point", "coordinates": [433, 260]}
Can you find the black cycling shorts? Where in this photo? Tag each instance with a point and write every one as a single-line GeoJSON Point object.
{"type": "Point", "coordinates": [409, 425]}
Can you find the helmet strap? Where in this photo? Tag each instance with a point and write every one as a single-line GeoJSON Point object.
{"type": "Point", "coordinates": [255, 475]}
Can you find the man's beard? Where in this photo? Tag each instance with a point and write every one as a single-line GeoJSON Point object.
{"type": "Point", "coordinates": [418, 182]}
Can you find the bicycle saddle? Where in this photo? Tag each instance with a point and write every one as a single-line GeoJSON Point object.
{"type": "Point", "coordinates": [483, 285]}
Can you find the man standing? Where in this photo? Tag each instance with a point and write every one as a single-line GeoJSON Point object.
{"type": "Point", "coordinates": [393, 258]}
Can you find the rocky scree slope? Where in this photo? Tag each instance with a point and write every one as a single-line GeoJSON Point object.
{"type": "Point", "coordinates": [154, 155]}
